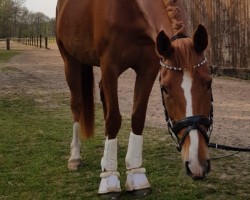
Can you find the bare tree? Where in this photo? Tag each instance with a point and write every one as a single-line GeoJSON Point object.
{"type": "Point", "coordinates": [17, 21]}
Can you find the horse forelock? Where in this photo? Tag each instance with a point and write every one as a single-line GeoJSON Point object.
{"type": "Point", "coordinates": [184, 55]}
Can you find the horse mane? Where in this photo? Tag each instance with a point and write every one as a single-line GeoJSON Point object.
{"type": "Point", "coordinates": [184, 56]}
{"type": "Point", "coordinates": [175, 16]}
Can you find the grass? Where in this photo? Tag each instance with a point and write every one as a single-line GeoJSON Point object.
{"type": "Point", "coordinates": [7, 55]}
{"type": "Point", "coordinates": [35, 146]}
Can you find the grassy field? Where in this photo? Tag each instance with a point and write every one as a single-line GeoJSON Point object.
{"type": "Point", "coordinates": [34, 148]}
{"type": "Point", "coordinates": [6, 55]}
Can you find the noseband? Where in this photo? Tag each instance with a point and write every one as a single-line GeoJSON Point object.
{"type": "Point", "coordinates": [201, 123]}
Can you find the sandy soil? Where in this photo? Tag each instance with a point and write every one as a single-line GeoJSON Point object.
{"type": "Point", "coordinates": [40, 72]}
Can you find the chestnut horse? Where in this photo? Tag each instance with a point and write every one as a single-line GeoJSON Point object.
{"type": "Point", "coordinates": [122, 34]}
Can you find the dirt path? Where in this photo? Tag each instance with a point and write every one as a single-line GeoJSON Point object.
{"type": "Point", "coordinates": [39, 72]}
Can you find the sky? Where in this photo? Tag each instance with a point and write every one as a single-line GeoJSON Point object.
{"type": "Point", "coordinates": [45, 6]}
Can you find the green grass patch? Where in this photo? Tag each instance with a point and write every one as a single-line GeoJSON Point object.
{"type": "Point", "coordinates": [34, 150]}
{"type": "Point", "coordinates": [5, 56]}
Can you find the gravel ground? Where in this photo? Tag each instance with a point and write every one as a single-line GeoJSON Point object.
{"type": "Point", "coordinates": [40, 72]}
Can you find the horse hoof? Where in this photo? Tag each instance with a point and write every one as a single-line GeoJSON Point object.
{"type": "Point", "coordinates": [111, 195]}
{"type": "Point", "coordinates": [142, 192]}
{"type": "Point", "coordinates": [74, 165]}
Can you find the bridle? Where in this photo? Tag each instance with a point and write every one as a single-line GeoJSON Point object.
{"type": "Point", "coordinates": [204, 124]}
{"type": "Point", "coordinates": [195, 122]}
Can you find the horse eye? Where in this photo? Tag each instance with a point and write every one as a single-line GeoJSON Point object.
{"type": "Point", "coordinates": [164, 89]}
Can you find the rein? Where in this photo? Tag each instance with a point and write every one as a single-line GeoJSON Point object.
{"type": "Point", "coordinates": [228, 148]}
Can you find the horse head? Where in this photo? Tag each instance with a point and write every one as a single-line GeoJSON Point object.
{"type": "Point", "coordinates": [187, 97]}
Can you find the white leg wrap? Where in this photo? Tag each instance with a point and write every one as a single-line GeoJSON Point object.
{"type": "Point", "coordinates": [110, 181]}
{"type": "Point", "coordinates": [136, 178]}
{"type": "Point", "coordinates": [134, 153]}
{"type": "Point", "coordinates": [75, 148]}
{"type": "Point", "coordinates": [109, 159]}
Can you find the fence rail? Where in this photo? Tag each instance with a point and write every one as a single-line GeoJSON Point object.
{"type": "Point", "coordinates": [40, 41]}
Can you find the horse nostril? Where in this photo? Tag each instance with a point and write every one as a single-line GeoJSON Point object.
{"type": "Point", "coordinates": [188, 171]}
{"type": "Point", "coordinates": [208, 166]}
{"type": "Point", "coordinates": [199, 173]}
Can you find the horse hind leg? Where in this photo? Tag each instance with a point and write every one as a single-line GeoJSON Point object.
{"type": "Point", "coordinates": [72, 73]}
{"type": "Point", "coordinates": [74, 76]}
{"type": "Point", "coordinates": [75, 160]}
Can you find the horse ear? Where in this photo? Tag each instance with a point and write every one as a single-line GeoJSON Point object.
{"type": "Point", "coordinates": [163, 45]}
{"type": "Point", "coordinates": [200, 39]}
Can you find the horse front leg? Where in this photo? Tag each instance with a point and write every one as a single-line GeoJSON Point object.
{"type": "Point", "coordinates": [137, 181]}
{"type": "Point", "coordinates": [110, 183]}
{"type": "Point", "coordinates": [136, 178]}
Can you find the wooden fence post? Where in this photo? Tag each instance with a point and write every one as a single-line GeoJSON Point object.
{"type": "Point", "coordinates": [8, 43]}
{"type": "Point", "coordinates": [46, 42]}
{"type": "Point", "coordinates": [40, 41]}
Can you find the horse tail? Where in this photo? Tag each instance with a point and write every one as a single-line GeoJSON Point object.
{"type": "Point", "coordinates": [87, 117]}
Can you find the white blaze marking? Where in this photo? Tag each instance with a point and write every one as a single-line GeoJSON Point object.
{"type": "Point", "coordinates": [186, 86]}
{"type": "Point", "coordinates": [194, 141]}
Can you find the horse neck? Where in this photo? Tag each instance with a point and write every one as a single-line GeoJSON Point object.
{"type": "Point", "coordinates": [156, 15]}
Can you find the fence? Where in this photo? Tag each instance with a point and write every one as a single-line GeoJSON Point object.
{"type": "Point", "coordinates": [4, 44]}
{"type": "Point", "coordinates": [228, 24]}
{"type": "Point", "coordinates": [40, 42]}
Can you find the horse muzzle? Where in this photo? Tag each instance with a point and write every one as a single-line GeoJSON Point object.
{"type": "Point", "coordinates": [197, 171]}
